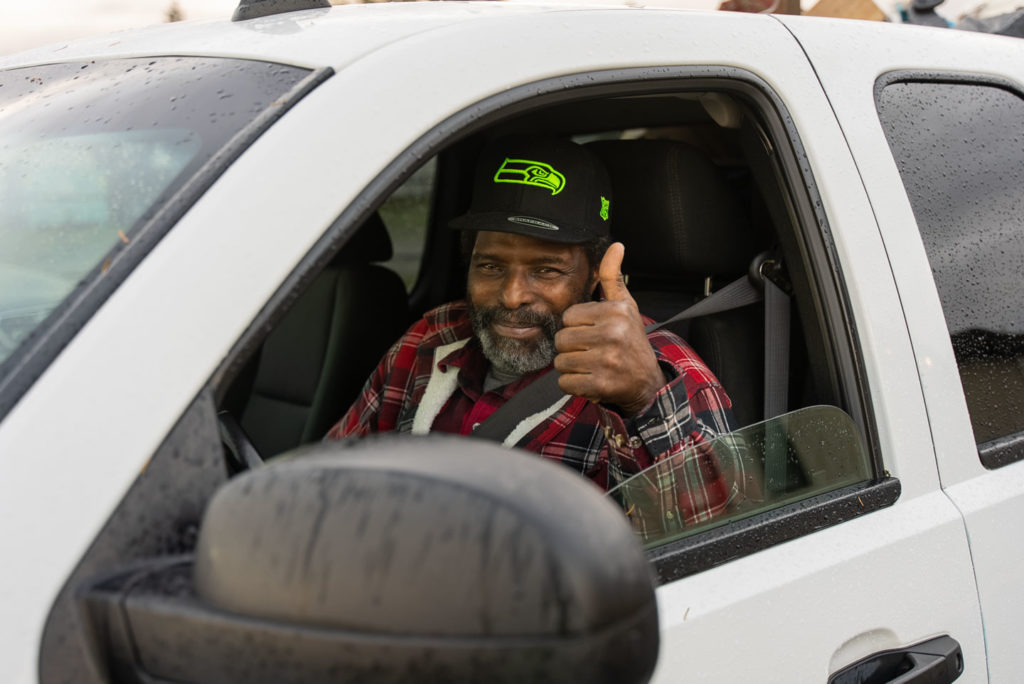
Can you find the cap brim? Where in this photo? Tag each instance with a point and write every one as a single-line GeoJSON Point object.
{"type": "Point", "coordinates": [505, 222]}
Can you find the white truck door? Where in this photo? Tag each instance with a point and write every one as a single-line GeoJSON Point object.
{"type": "Point", "coordinates": [934, 124]}
{"type": "Point", "coordinates": [952, 118]}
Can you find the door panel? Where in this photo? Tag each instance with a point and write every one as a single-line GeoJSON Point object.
{"type": "Point", "coordinates": [988, 500]}
{"type": "Point", "coordinates": [993, 506]}
{"type": "Point", "coordinates": [802, 610]}
{"type": "Point", "coordinates": [915, 230]}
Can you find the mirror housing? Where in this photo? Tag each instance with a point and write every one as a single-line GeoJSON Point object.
{"type": "Point", "coordinates": [393, 560]}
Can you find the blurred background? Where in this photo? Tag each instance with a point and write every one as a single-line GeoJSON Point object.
{"type": "Point", "coordinates": [26, 24]}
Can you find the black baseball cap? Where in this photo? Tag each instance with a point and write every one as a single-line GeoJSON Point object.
{"type": "Point", "coordinates": [547, 188]}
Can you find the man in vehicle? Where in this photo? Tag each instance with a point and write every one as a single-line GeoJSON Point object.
{"type": "Point", "coordinates": [537, 237]}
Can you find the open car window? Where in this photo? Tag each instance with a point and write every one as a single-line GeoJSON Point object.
{"type": "Point", "coordinates": [741, 202]}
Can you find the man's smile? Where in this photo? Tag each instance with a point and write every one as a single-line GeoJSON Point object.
{"type": "Point", "coordinates": [519, 331]}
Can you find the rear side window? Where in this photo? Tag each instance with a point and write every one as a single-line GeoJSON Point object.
{"type": "Point", "coordinates": [960, 150]}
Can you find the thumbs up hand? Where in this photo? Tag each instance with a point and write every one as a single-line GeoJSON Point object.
{"type": "Point", "coordinates": [603, 352]}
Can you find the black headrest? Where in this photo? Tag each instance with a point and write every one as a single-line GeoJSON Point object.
{"type": "Point", "coordinates": [370, 242]}
{"type": "Point", "coordinates": [673, 210]}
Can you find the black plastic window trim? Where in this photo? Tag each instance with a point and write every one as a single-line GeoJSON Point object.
{"type": "Point", "coordinates": [924, 76]}
{"type": "Point", "coordinates": [1002, 452]}
{"type": "Point", "coordinates": [690, 555]}
{"type": "Point", "coordinates": [34, 356]}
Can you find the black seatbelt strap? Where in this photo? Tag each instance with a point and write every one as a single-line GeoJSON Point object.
{"type": "Point", "coordinates": [539, 395]}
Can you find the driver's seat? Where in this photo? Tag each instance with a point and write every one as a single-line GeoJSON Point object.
{"type": "Point", "coordinates": [316, 360]}
{"type": "Point", "coordinates": [686, 232]}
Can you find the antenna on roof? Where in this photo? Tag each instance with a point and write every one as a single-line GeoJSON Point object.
{"type": "Point", "coordinates": [254, 9]}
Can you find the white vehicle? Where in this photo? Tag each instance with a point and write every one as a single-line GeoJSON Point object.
{"type": "Point", "coordinates": [196, 230]}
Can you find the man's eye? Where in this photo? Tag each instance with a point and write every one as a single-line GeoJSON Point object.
{"type": "Point", "coordinates": [486, 267]}
{"type": "Point", "coordinates": [548, 272]}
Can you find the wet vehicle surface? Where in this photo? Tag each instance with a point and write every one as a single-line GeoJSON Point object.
{"type": "Point", "coordinates": [210, 233]}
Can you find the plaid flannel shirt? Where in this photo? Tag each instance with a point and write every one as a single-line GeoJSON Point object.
{"type": "Point", "coordinates": [691, 485]}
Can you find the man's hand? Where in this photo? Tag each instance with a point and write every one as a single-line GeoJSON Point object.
{"type": "Point", "coordinates": [603, 352]}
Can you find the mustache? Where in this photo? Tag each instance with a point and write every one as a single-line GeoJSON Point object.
{"type": "Point", "coordinates": [522, 317]}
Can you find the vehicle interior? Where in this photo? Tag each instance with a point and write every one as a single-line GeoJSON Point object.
{"type": "Point", "coordinates": [701, 200]}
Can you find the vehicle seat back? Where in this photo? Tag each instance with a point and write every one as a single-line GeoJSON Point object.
{"type": "Point", "coordinates": [685, 228]}
{"type": "Point", "coordinates": [316, 360]}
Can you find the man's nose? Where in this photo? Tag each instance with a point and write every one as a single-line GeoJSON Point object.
{"type": "Point", "coordinates": [515, 290]}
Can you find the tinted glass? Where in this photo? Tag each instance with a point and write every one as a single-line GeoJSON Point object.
{"type": "Point", "coordinates": [767, 465]}
{"type": "Point", "coordinates": [960, 151]}
{"type": "Point", "coordinates": [90, 152]}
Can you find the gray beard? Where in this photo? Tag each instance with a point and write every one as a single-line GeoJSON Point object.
{"type": "Point", "coordinates": [509, 355]}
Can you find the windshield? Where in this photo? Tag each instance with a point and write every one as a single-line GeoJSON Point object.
{"type": "Point", "coordinates": [91, 152]}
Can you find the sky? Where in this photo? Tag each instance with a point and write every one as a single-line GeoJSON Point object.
{"type": "Point", "coordinates": [26, 24]}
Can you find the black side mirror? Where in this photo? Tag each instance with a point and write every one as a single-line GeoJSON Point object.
{"type": "Point", "coordinates": [394, 560]}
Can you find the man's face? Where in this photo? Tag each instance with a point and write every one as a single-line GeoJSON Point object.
{"type": "Point", "coordinates": [518, 287]}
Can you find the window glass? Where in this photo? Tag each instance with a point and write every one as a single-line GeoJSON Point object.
{"type": "Point", "coordinates": [90, 152]}
{"type": "Point", "coordinates": [764, 466]}
{"type": "Point", "coordinates": [960, 151]}
{"type": "Point", "coordinates": [406, 213]}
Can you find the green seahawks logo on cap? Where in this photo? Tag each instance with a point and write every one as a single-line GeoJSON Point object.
{"type": "Point", "coordinates": [526, 172]}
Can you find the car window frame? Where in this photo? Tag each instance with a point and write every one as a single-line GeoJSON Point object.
{"type": "Point", "coordinates": [708, 549]}
{"type": "Point", "coordinates": [31, 359]}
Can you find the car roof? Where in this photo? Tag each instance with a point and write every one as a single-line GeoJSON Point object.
{"type": "Point", "coordinates": [339, 35]}
{"type": "Point", "coordinates": [334, 36]}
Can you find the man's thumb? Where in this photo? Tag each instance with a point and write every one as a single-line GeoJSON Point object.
{"type": "Point", "coordinates": [610, 273]}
